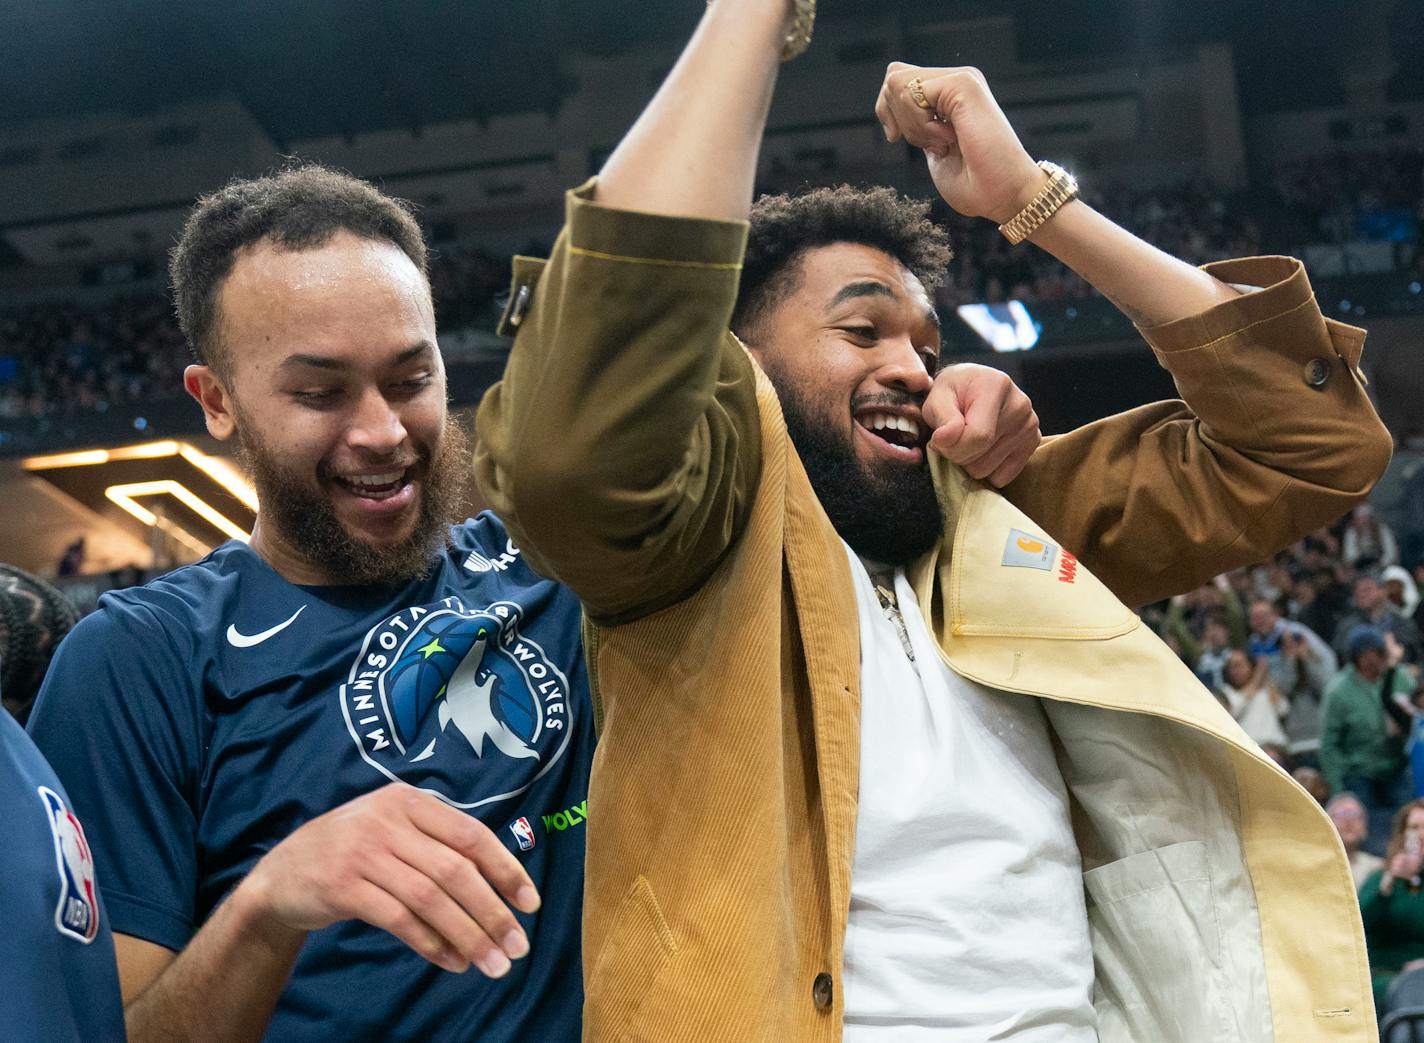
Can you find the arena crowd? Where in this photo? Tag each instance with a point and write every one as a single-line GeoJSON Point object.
{"type": "Point", "coordinates": [62, 358]}
{"type": "Point", "coordinates": [1318, 655]}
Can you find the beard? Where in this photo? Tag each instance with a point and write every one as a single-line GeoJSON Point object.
{"type": "Point", "coordinates": [890, 515]}
{"type": "Point", "coordinates": [305, 518]}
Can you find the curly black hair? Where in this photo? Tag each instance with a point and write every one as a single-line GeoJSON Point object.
{"type": "Point", "coordinates": [299, 207]}
{"type": "Point", "coordinates": [34, 617]}
{"type": "Point", "coordinates": [784, 227]}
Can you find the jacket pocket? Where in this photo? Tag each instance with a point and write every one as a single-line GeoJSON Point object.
{"type": "Point", "coordinates": [1157, 953]}
{"type": "Point", "coordinates": [638, 946]}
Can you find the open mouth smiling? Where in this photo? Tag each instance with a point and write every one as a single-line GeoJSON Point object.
{"type": "Point", "coordinates": [897, 434]}
{"type": "Point", "coordinates": [381, 485]}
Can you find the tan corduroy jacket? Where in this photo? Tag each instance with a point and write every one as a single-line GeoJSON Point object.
{"type": "Point", "coordinates": [639, 456]}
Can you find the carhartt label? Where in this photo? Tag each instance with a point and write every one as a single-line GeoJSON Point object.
{"type": "Point", "coordinates": [1027, 551]}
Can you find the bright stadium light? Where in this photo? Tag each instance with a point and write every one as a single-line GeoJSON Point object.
{"type": "Point", "coordinates": [1004, 327]}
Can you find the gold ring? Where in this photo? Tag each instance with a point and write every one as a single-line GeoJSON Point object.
{"type": "Point", "coordinates": [916, 88]}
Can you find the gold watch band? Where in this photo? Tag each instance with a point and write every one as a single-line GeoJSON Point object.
{"type": "Point", "coordinates": [1061, 187]}
{"type": "Point", "coordinates": [798, 37]}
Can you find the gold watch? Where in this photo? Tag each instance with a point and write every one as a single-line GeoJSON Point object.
{"type": "Point", "coordinates": [1062, 186]}
{"type": "Point", "coordinates": [798, 38]}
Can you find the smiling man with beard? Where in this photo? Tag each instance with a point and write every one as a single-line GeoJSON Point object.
{"type": "Point", "coordinates": [295, 837]}
{"type": "Point", "coordinates": [877, 764]}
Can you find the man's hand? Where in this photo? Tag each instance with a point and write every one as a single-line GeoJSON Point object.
{"type": "Point", "coordinates": [975, 158]}
{"type": "Point", "coordinates": [981, 421]}
{"type": "Point", "coordinates": [406, 862]}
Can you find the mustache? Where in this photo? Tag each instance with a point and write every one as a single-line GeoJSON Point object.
{"type": "Point", "coordinates": [419, 458]}
{"type": "Point", "coordinates": [886, 400]}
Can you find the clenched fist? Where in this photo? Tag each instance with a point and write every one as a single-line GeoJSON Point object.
{"type": "Point", "coordinates": [982, 421]}
{"type": "Point", "coordinates": [975, 158]}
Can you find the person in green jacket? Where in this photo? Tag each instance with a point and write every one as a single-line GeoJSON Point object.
{"type": "Point", "coordinates": [1362, 737]}
{"type": "Point", "coordinates": [1392, 905]}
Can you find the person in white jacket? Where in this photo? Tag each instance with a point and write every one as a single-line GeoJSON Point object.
{"type": "Point", "coordinates": [1255, 702]}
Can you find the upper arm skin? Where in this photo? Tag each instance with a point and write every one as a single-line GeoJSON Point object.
{"type": "Point", "coordinates": [140, 964]}
{"type": "Point", "coordinates": [622, 447]}
{"type": "Point", "coordinates": [1160, 499]}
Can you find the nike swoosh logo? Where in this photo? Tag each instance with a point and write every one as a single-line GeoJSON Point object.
{"type": "Point", "coordinates": [244, 641]}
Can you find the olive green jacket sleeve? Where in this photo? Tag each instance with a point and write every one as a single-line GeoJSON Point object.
{"type": "Point", "coordinates": [621, 448]}
{"type": "Point", "coordinates": [1274, 437]}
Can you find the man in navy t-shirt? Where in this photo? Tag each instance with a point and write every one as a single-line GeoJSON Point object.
{"type": "Point", "coordinates": [58, 982]}
{"type": "Point", "coordinates": [354, 753]}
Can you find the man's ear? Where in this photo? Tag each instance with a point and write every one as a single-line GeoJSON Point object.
{"type": "Point", "coordinates": [203, 384]}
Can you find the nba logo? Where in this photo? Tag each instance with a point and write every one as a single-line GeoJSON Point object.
{"type": "Point", "coordinates": [523, 832]}
{"type": "Point", "coordinates": [77, 912]}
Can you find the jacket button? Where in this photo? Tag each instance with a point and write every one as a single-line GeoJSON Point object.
{"type": "Point", "coordinates": [1317, 373]}
{"type": "Point", "coordinates": [822, 991]}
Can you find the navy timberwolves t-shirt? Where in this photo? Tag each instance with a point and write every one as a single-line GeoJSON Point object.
{"type": "Point", "coordinates": [58, 981]}
{"type": "Point", "coordinates": [199, 720]}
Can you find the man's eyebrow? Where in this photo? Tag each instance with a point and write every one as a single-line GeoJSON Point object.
{"type": "Point", "coordinates": [850, 291]}
{"type": "Point", "coordinates": [302, 358]}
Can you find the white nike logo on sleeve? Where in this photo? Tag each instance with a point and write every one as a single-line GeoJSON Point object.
{"type": "Point", "coordinates": [243, 641]}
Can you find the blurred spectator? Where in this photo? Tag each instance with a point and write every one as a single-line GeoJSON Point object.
{"type": "Point", "coordinates": [1402, 591]}
{"type": "Point", "coordinates": [1253, 700]}
{"type": "Point", "coordinates": [1361, 744]}
{"type": "Point", "coordinates": [34, 617]}
{"type": "Point", "coordinates": [1215, 612]}
{"type": "Point", "coordinates": [1300, 663]}
{"type": "Point", "coordinates": [1368, 542]}
{"type": "Point", "coordinates": [1313, 783]}
{"type": "Point", "coordinates": [1349, 816]}
{"type": "Point", "coordinates": [1414, 746]}
{"type": "Point", "coordinates": [71, 563]}
{"type": "Point", "coordinates": [1371, 606]}
{"type": "Point", "coordinates": [1392, 905]}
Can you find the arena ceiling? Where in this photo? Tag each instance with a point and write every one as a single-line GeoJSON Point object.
{"type": "Point", "coordinates": [312, 68]}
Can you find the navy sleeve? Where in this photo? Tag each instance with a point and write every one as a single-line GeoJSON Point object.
{"type": "Point", "coordinates": [120, 719]}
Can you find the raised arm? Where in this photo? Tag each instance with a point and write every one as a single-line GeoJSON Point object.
{"type": "Point", "coordinates": [693, 151]}
{"type": "Point", "coordinates": [622, 446]}
{"type": "Point", "coordinates": [1276, 437]}
{"type": "Point", "coordinates": [982, 170]}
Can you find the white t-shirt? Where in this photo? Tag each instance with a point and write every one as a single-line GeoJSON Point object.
{"type": "Point", "coordinates": [967, 916]}
{"type": "Point", "coordinates": [1258, 716]}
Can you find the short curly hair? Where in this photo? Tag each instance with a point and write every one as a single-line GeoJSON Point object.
{"type": "Point", "coordinates": [299, 207]}
{"type": "Point", "coordinates": [784, 227]}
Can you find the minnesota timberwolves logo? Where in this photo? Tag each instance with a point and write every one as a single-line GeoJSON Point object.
{"type": "Point", "coordinates": [457, 702]}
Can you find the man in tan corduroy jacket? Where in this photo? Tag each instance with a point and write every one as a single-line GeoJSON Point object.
{"type": "Point", "coordinates": [641, 455]}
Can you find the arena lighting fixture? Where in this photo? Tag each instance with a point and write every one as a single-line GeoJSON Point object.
{"type": "Point", "coordinates": [219, 470]}
{"type": "Point", "coordinates": [180, 534]}
{"type": "Point", "coordinates": [222, 472]}
{"type": "Point", "coordinates": [92, 457]}
{"type": "Point", "coordinates": [125, 495]}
